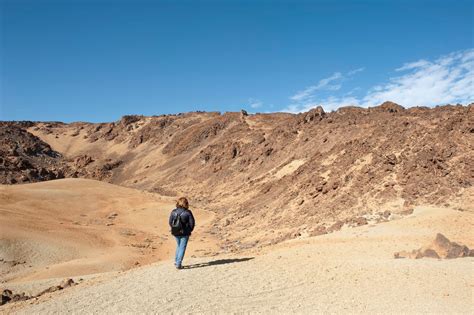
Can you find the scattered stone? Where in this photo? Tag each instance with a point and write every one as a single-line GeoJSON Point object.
{"type": "Point", "coordinates": [319, 230]}
{"type": "Point", "coordinates": [336, 226]}
{"type": "Point", "coordinates": [82, 161]}
{"type": "Point", "coordinates": [8, 296]}
{"type": "Point", "coordinates": [137, 245]}
{"type": "Point", "coordinates": [127, 233]}
{"type": "Point", "coordinates": [441, 248]}
{"type": "Point", "coordinates": [358, 221]}
{"type": "Point", "coordinates": [112, 216]}
{"type": "Point", "coordinates": [67, 283]}
{"type": "Point", "coordinates": [50, 290]}
{"type": "Point", "coordinates": [386, 214]}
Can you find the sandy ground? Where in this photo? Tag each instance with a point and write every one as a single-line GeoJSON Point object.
{"type": "Point", "coordinates": [350, 271]}
{"type": "Point", "coordinates": [75, 227]}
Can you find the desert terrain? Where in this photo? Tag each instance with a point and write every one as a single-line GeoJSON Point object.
{"type": "Point", "coordinates": [71, 227]}
{"type": "Point", "coordinates": [314, 212]}
{"type": "Point", "coordinates": [350, 271]}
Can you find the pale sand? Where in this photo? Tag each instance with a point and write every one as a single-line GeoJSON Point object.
{"type": "Point", "coordinates": [351, 271]}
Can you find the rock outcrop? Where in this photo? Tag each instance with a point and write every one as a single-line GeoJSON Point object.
{"type": "Point", "coordinates": [25, 158]}
{"type": "Point", "coordinates": [441, 248]}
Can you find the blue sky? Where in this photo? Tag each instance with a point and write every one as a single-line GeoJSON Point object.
{"type": "Point", "coordinates": [98, 60]}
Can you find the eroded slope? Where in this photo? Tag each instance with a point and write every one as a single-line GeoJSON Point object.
{"type": "Point", "coordinates": [270, 177]}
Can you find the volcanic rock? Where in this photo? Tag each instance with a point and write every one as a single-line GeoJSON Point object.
{"type": "Point", "coordinates": [343, 164]}
{"type": "Point", "coordinates": [441, 247]}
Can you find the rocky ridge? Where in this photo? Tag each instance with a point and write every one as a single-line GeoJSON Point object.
{"type": "Point", "coordinates": [269, 177]}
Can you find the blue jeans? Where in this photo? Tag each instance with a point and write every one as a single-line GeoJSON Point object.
{"type": "Point", "coordinates": [181, 243]}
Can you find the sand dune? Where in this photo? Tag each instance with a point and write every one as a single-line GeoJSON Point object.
{"type": "Point", "coordinates": [77, 226]}
{"type": "Point", "coordinates": [351, 271]}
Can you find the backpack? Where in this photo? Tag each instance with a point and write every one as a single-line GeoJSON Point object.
{"type": "Point", "coordinates": [177, 225]}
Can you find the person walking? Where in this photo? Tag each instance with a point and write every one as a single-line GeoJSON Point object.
{"type": "Point", "coordinates": [181, 222]}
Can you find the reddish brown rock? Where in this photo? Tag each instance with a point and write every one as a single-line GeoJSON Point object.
{"type": "Point", "coordinates": [441, 247]}
{"type": "Point", "coordinates": [319, 230]}
{"type": "Point", "coordinates": [335, 227]}
{"type": "Point", "coordinates": [255, 169]}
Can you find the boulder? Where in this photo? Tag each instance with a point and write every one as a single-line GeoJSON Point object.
{"type": "Point", "coordinates": [447, 249]}
{"type": "Point", "coordinates": [6, 296]}
{"type": "Point", "coordinates": [315, 114]}
{"type": "Point", "coordinates": [389, 107]}
{"type": "Point", "coordinates": [441, 248]}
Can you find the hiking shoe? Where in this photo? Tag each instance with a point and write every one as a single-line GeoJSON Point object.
{"type": "Point", "coordinates": [179, 267]}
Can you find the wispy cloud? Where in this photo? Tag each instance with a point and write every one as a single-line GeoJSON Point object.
{"type": "Point", "coordinates": [351, 73]}
{"type": "Point", "coordinates": [323, 84]}
{"type": "Point", "coordinates": [413, 65]}
{"type": "Point", "coordinates": [448, 79]}
{"type": "Point", "coordinates": [308, 98]}
{"type": "Point", "coordinates": [254, 103]}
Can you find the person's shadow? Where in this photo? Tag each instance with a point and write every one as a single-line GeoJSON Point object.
{"type": "Point", "coordinates": [217, 262]}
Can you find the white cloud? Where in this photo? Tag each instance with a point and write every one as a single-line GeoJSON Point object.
{"type": "Point", "coordinates": [323, 84]}
{"type": "Point", "coordinates": [448, 79]}
{"type": "Point", "coordinates": [254, 103]}
{"type": "Point", "coordinates": [331, 83]}
{"type": "Point", "coordinates": [350, 73]}
{"type": "Point", "coordinates": [413, 65]}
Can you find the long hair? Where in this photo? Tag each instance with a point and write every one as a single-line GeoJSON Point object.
{"type": "Point", "coordinates": [182, 203]}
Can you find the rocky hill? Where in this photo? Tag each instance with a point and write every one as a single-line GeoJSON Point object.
{"type": "Point", "coordinates": [268, 177]}
{"type": "Point", "coordinates": [25, 158]}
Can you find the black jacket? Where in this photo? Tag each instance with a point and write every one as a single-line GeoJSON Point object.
{"type": "Point", "coordinates": [186, 217]}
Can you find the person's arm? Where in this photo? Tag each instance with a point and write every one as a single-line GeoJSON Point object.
{"type": "Point", "coordinates": [191, 221]}
{"type": "Point", "coordinates": [171, 218]}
